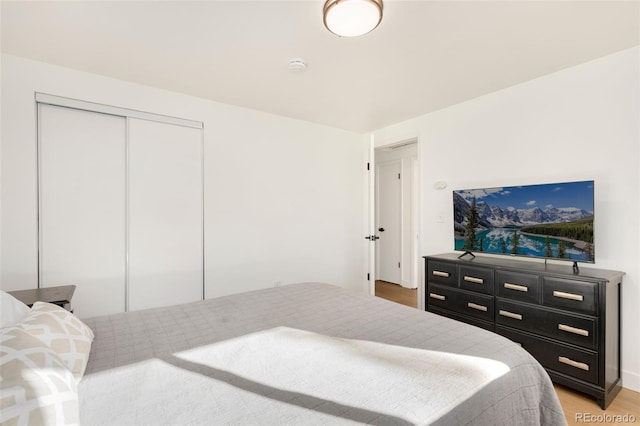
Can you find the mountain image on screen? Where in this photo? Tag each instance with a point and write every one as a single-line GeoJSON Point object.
{"type": "Point", "coordinates": [552, 221]}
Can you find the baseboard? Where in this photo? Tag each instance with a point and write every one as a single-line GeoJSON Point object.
{"type": "Point", "coordinates": [631, 380]}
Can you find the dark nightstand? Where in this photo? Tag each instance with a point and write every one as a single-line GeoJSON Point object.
{"type": "Point", "coordinates": [60, 295]}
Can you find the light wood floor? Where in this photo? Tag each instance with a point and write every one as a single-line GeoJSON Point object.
{"type": "Point", "coordinates": [578, 408]}
{"type": "Point", "coordinates": [397, 293]}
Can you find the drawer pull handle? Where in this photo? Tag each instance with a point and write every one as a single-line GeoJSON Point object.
{"type": "Point", "coordinates": [516, 287]}
{"type": "Point", "coordinates": [441, 274]}
{"type": "Point", "coordinates": [570, 296]}
{"type": "Point", "coordinates": [510, 315]}
{"type": "Point", "coordinates": [473, 279]}
{"type": "Point", "coordinates": [437, 296]}
{"type": "Point", "coordinates": [569, 361]}
{"type": "Point", "coordinates": [477, 307]}
{"type": "Point", "coordinates": [574, 330]}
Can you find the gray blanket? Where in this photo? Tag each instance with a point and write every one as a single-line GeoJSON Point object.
{"type": "Point", "coordinates": [307, 354]}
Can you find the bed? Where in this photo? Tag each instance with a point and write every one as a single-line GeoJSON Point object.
{"type": "Point", "coordinates": [306, 354]}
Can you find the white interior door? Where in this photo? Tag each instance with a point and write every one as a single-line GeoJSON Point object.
{"type": "Point", "coordinates": [82, 206]}
{"type": "Point", "coordinates": [388, 221]}
{"type": "Point", "coordinates": [165, 214]}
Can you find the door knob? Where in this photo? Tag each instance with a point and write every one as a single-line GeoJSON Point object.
{"type": "Point", "coordinates": [381, 229]}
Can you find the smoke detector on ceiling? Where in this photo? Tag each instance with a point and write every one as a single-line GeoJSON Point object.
{"type": "Point", "coordinates": [297, 64]}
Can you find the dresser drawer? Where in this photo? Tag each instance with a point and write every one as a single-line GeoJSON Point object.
{"type": "Point", "coordinates": [442, 273]}
{"type": "Point", "coordinates": [441, 297]}
{"type": "Point", "coordinates": [463, 302]}
{"type": "Point", "coordinates": [568, 328]}
{"type": "Point", "coordinates": [518, 286]}
{"type": "Point", "coordinates": [462, 318]}
{"type": "Point", "coordinates": [578, 363]}
{"type": "Point", "coordinates": [476, 279]}
{"type": "Point", "coordinates": [578, 296]}
{"type": "Point", "coordinates": [477, 305]}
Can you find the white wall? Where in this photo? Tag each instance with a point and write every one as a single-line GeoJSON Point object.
{"type": "Point", "coordinates": [577, 124]}
{"type": "Point", "coordinates": [283, 197]}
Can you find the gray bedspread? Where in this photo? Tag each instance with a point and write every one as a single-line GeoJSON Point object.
{"type": "Point", "coordinates": [307, 354]}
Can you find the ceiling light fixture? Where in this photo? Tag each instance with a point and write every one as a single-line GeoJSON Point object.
{"type": "Point", "coordinates": [351, 18]}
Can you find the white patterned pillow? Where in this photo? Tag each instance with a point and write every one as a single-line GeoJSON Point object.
{"type": "Point", "coordinates": [63, 332]}
{"type": "Point", "coordinates": [12, 311]}
{"type": "Point", "coordinates": [36, 388]}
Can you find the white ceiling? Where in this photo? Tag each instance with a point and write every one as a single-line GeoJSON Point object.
{"type": "Point", "coordinates": [424, 56]}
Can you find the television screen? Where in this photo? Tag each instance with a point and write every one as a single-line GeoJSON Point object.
{"type": "Point", "coordinates": [551, 221]}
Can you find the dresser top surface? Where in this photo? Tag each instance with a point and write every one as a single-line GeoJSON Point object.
{"type": "Point", "coordinates": [537, 265]}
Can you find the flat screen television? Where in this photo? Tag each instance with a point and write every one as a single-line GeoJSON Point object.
{"type": "Point", "coordinates": [549, 221]}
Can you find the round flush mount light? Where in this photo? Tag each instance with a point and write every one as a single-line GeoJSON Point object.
{"type": "Point", "coordinates": [352, 18]}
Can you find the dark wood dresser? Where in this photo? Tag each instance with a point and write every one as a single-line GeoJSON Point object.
{"type": "Point", "coordinates": [569, 321]}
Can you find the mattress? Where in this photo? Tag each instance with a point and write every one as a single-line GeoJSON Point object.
{"type": "Point", "coordinates": [307, 354]}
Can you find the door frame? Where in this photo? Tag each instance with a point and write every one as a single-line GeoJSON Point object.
{"type": "Point", "coordinates": [416, 222]}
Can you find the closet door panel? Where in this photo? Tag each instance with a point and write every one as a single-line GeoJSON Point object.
{"type": "Point", "coordinates": [82, 206]}
{"type": "Point", "coordinates": [165, 214]}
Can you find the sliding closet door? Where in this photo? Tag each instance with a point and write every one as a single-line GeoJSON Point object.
{"type": "Point", "coordinates": [165, 214]}
{"type": "Point", "coordinates": [82, 206]}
